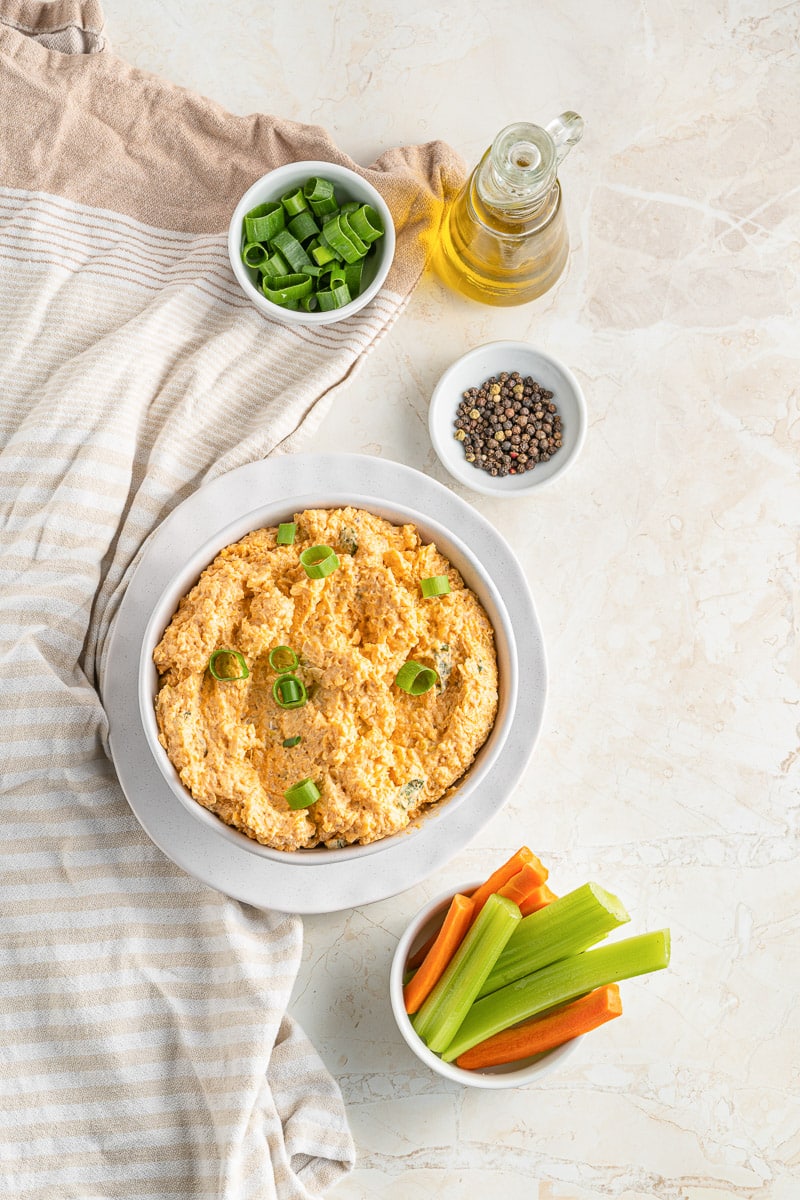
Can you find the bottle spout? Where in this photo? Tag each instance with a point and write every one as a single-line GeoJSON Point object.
{"type": "Point", "coordinates": [566, 131]}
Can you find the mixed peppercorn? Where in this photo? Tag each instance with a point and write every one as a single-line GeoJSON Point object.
{"type": "Point", "coordinates": [508, 424]}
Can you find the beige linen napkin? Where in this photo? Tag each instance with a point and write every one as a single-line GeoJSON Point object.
{"type": "Point", "coordinates": [145, 1046]}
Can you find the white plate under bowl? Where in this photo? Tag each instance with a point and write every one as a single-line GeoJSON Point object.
{"type": "Point", "coordinates": [471, 571]}
{"type": "Point", "coordinates": [474, 368]}
{"type": "Point", "coordinates": [225, 865]}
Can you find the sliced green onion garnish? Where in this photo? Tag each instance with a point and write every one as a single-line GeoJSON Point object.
{"type": "Point", "coordinates": [415, 679]}
{"type": "Point", "coordinates": [435, 585]}
{"type": "Point", "coordinates": [289, 692]}
{"type": "Point", "coordinates": [366, 223]}
{"type": "Point", "coordinates": [286, 532]}
{"type": "Point", "coordinates": [303, 226]}
{"type": "Point", "coordinates": [281, 289]}
{"type": "Point", "coordinates": [293, 741]}
{"type": "Point", "coordinates": [227, 665]}
{"type": "Point", "coordinates": [319, 561]}
{"type": "Point", "coordinates": [302, 794]}
{"type": "Point", "coordinates": [263, 222]}
{"type": "Point", "coordinates": [322, 254]}
{"type": "Point", "coordinates": [337, 234]}
{"type": "Point", "coordinates": [276, 264]}
{"type": "Point", "coordinates": [255, 255]}
{"type": "Point", "coordinates": [291, 250]}
{"type": "Point", "coordinates": [346, 227]}
{"type": "Point", "coordinates": [283, 658]}
{"type": "Point", "coordinates": [294, 202]}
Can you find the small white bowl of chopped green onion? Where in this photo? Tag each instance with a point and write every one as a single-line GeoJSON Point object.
{"type": "Point", "coordinates": [495, 985]}
{"type": "Point", "coordinates": [311, 243]}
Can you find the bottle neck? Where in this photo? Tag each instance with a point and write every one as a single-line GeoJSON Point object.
{"type": "Point", "coordinates": [512, 199]}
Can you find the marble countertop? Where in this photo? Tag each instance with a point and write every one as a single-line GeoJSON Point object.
{"type": "Point", "coordinates": [663, 566]}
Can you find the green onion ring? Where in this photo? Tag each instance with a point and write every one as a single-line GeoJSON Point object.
{"type": "Point", "coordinates": [286, 533]}
{"type": "Point", "coordinates": [292, 741]}
{"type": "Point", "coordinates": [240, 662]}
{"type": "Point", "coordinates": [283, 659]}
{"type": "Point", "coordinates": [319, 561]}
{"type": "Point", "coordinates": [302, 794]}
{"type": "Point", "coordinates": [415, 679]}
{"type": "Point", "coordinates": [435, 585]}
{"type": "Point", "coordinates": [289, 692]}
{"type": "Point", "coordinates": [281, 289]}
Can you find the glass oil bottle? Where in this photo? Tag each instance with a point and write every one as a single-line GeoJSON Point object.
{"type": "Point", "coordinates": [504, 240]}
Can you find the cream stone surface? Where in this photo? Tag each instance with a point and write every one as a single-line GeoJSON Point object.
{"type": "Point", "coordinates": [664, 565]}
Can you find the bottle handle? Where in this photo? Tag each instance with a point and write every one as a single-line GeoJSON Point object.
{"type": "Point", "coordinates": [566, 131]}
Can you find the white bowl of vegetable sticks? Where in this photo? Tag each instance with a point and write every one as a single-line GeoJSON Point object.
{"type": "Point", "coordinates": [495, 984]}
{"type": "Point", "coordinates": [507, 1075]}
{"type": "Point", "coordinates": [311, 243]}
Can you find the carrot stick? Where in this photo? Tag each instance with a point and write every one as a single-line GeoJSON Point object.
{"type": "Point", "coordinates": [547, 1031]}
{"type": "Point", "coordinates": [536, 899]}
{"type": "Point", "coordinates": [501, 876]}
{"type": "Point", "coordinates": [496, 880]}
{"type": "Point", "coordinates": [525, 883]}
{"type": "Point", "coordinates": [446, 942]}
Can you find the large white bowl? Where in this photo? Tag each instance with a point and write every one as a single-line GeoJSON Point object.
{"type": "Point", "coordinates": [348, 186]}
{"type": "Point", "coordinates": [473, 369]}
{"type": "Point", "coordinates": [531, 1070]}
{"type": "Point", "coordinates": [458, 554]}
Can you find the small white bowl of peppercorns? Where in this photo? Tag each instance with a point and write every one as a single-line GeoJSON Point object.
{"type": "Point", "coordinates": [506, 419]}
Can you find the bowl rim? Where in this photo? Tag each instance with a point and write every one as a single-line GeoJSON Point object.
{"type": "Point", "coordinates": [164, 608]}
{"type": "Point", "coordinates": [253, 195]}
{"type": "Point", "coordinates": [472, 477]}
{"type": "Point", "coordinates": [495, 1078]}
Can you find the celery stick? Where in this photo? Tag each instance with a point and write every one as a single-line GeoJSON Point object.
{"type": "Point", "coordinates": [558, 983]}
{"type": "Point", "coordinates": [566, 926]}
{"type": "Point", "coordinates": [440, 1016]}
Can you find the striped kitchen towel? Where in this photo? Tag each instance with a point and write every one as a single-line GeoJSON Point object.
{"type": "Point", "coordinates": [145, 1045]}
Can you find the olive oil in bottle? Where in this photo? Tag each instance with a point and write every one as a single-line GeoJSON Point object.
{"type": "Point", "coordinates": [504, 239]}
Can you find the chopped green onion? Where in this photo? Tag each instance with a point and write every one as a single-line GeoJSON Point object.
{"type": "Point", "coordinates": [294, 202]}
{"type": "Point", "coordinates": [276, 264]}
{"type": "Point", "coordinates": [566, 926]}
{"type": "Point", "coordinates": [302, 794]}
{"type": "Point", "coordinates": [435, 585]}
{"type": "Point", "coordinates": [322, 254]}
{"type": "Point", "coordinates": [438, 1020]}
{"type": "Point", "coordinates": [284, 288]}
{"type": "Point", "coordinates": [283, 658]}
{"type": "Point", "coordinates": [291, 250]}
{"type": "Point", "coordinates": [303, 226]}
{"type": "Point", "coordinates": [286, 533]}
{"type": "Point", "coordinates": [282, 239]}
{"type": "Point", "coordinates": [415, 679]}
{"type": "Point", "coordinates": [366, 223]}
{"type": "Point", "coordinates": [337, 234]}
{"type": "Point", "coordinates": [263, 222]}
{"type": "Point", "coordinates": [320, 195]}
{"type": "Point", "coordinates": [222, 672]}
{"type": "Point", "coordinates": [557, 984]}
{"type": "Point", "coordinates": [319, 561]}
{"type": "Point", "coordinates": [292, 741]}
{"type": "Point", "coordinates": [255, 255]}
{"type": "Point", "coordinates": [289, 692]}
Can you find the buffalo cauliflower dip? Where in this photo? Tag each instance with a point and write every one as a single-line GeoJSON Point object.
{"type": "Point", "coordinates": [376, 754]}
